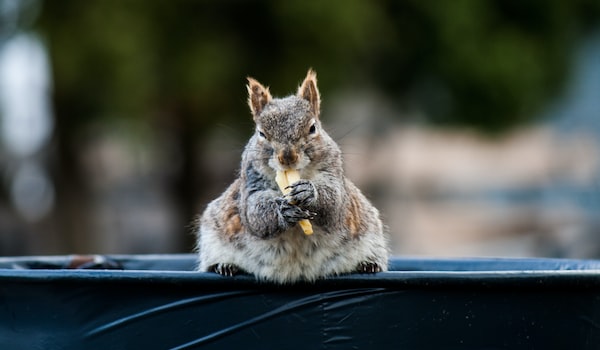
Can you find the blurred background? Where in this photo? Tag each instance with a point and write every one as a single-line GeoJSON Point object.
{"type": "Point", "coordinates": [473, 125]}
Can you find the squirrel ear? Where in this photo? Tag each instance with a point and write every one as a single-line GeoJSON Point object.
{"type": "Point", "coordinates": [258, 96]}
{"type": "Point", "coordinates": [308, 91]}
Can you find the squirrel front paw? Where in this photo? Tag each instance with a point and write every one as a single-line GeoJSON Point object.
{"type": "Point", "coordinates": [292, 213]}
{"type": "Point", "coordinates": [302, 193]}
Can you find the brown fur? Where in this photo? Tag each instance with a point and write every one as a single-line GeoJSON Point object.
{"type": "Point", "coordinates": [353, 218]}
{"type": "Point", "coordinates": [231, 213]}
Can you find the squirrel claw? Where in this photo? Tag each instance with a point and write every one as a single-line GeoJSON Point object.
{"type": "Point", "coordinates": [368, 267]}
{"type": "Point", "coordinates": [228, 270]}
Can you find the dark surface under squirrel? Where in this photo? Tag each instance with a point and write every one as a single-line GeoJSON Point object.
{"type": "Point", "coordinates": [159, 302]}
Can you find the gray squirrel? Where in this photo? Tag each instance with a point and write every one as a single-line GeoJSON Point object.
{"type": "Point", "coordinates": [253, 228]}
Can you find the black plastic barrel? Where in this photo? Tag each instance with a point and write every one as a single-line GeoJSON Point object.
{"type": "Point", "coordinates": [159, 302]}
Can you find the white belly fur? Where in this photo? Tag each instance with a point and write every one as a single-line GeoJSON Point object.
{"type": "Point", "coordinates": [290, 257]}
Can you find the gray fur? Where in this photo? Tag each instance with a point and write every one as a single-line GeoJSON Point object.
{"type": "Point", "coordinates": [252, 227]}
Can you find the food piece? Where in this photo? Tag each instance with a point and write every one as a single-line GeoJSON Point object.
{"type": "Point", "coordinates": [284, 179]}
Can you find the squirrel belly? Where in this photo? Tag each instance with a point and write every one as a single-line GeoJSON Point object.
{"type": "Point", "coordinates": [254, 227]}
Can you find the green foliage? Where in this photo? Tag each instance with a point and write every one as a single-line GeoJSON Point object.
{"type": "Point", "coordinates": [485, 64]}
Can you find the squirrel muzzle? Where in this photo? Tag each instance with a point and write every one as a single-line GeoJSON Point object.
{"type": "Point", "coordinates": [287, 156]}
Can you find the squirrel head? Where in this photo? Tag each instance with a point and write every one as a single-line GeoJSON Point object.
{"type": "Point", "coordinates": [288, 130]}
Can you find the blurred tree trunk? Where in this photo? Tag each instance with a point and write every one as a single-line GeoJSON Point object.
{"type": "Point", "coordinates": [73, 198]}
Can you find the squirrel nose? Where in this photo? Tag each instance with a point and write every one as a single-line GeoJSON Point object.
{"type": "Point", "coordinates": [287, 156]}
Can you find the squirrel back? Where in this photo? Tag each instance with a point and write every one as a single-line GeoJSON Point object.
{"type": "Point", "coordinates": [253, 228]}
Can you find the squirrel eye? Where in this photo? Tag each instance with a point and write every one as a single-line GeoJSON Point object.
{"type": "Point", "coordinates": [313, 129]}
{"type": "Point", "coordinates": [262, 134]}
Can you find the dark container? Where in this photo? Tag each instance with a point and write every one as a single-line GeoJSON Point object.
{"type": "Point", "coordinates": [158, 302]}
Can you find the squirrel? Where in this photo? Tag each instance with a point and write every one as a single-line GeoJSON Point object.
{"type": "Point", "coordinates": [252, 228]}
